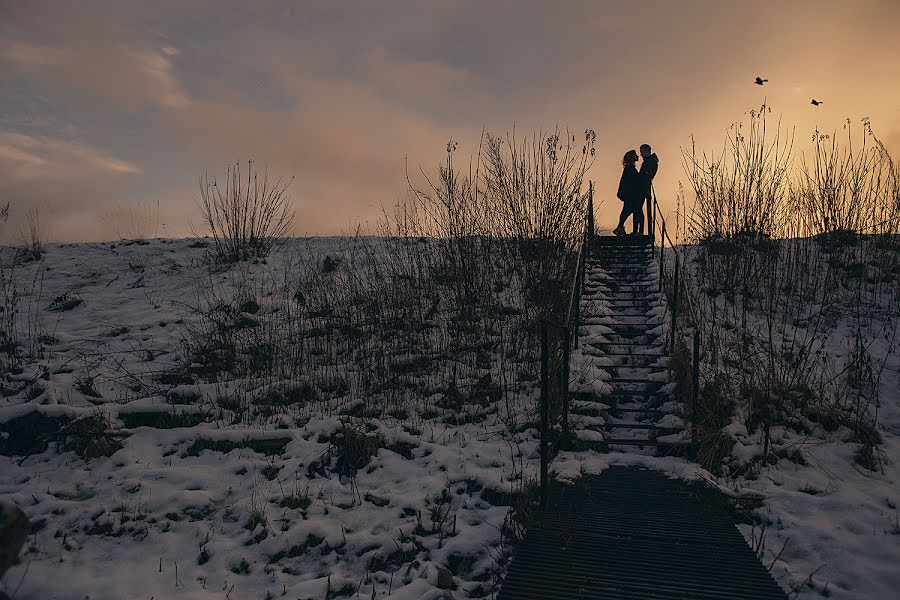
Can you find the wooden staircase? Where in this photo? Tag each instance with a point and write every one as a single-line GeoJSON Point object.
{"type": "Point", "coordinates": [621, 342]}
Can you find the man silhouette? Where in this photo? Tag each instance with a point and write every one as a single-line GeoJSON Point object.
{"type": "Point", "coordinates": [649, 167]}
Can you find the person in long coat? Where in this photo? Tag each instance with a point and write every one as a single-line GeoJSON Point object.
{"type": "Point", "coordinates": [631, 190]}
{"type": "Point", "coordinates": [649, 167]}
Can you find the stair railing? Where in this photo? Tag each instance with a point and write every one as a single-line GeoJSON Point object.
{"type": "Point", "coordinates": [560, 346]}
{"type": "Point", "coordinates": [675, 291]}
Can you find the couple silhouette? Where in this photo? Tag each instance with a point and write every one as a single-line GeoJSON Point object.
{"type": "Point", "coordinates": [635, 187]}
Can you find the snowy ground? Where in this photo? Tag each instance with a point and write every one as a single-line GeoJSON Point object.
{"type": "Point", "coordinates": [826, 528]}
{"type": "Point", "coordinates": [164, 517]}
{"type": "Point", "coordinates": [167, 517]}
{"type": "Point", "coordinates": [832, 527]}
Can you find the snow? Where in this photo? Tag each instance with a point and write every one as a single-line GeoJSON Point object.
{"type": "Point", "coordinates": [830, 525]}
{"type": "Point", "coordinates": [163, 518]}
{"type": "Point", "coordinates": [829, 528]}
{"type": "Point", "coordinates": [154, 520]}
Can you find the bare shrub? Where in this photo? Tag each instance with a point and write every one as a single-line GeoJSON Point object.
{"type": "Point", "coordinates": [33, 234]}
{"type": "Point", "coordinates": [9, 340]}
{"type": "Point", "coordinates": [248, 217]}
{"type": "Point", "coordinates": [88, 437]}
{"type": "Point", "coordinates": [426, 321]}
{"type": "Point", "coordinates": [521, 202]}
{"type": "Point", "coordinates": [773, 303]}
{"type": "Point", "coordinates": [354, 449]}
{"type": "Point", "coordinates": [847, 187]}
{"type": "Point", "coordinates": [534, 186]}
{"type": "Point", "coordinates": [138, 222]}
{"type": "Point", "coordinates": [742, 191]}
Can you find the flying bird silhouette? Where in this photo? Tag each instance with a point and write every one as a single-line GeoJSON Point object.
{"type": "Point", "coordinates": [760, 81]}
{"type": "Point", "coordinates": [815, 102]}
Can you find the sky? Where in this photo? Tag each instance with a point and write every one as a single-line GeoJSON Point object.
{"type": "Point", "coordinates": [110, 108]}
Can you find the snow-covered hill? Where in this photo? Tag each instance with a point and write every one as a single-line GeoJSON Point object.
{"type": "Point", "coordinates": [146, 476]}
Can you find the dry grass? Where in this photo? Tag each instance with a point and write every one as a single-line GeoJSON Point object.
{"type": "Point", "coordinates": [246, 217]}
{"type": "Point", "coordinates": [769, 298]}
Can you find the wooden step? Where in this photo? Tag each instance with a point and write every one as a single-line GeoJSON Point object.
{"type": "Point", "coordinates": [661, 448]}
{"type": "Point", "coordinates": [615, 282]}
{"type": "Point", "coordinates": [631, 335]}
{"type": "Point", "coordinates": [647, 426]}
{"type": "Point", "coordinates": [606, 284]}
{"type": "Point", "coordinates": [612, 324]}
{"type": "Point", "coordinates": [620, 397]}
{"type": "Point", "coordinates": [625, 344]}
{"type": "Point", "coordinates": [648, 292]}
{"type": "Point", "coordinates": [646, 411]}
{"type": "Point", "coordinates": [631, 354]}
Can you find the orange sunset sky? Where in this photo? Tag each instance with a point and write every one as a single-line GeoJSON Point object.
{"type": "Point", "coordinates": [112, 103]}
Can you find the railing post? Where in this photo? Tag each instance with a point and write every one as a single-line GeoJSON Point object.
{"type": "Point", "coordinates": [590, 214]}
{"type": "Point", "coordinates": [567, 345]}
{"type": "Point", "coordinates": [695, 387]}
{"type": "Point", "coordinates": [675, 303]}
{"type": "Point", "coordinates": [579, 284]}
{"type": "Point", "coordinates": [587, 247]}
{"type": "Point", "coordinates": [662, 247]}
{"type": "Point", "coordinates": [577, 309]}
{"type": "Point", "coordinates": [545, 412]}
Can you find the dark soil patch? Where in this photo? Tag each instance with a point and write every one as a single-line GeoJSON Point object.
{"type": "Point", "coordinates": [269, 446]}
{"type": "Point", "coordinates": [404, 449]}
{"type": "Point", "coordinates": [64, 302]}
{"type": "Point", "coordinates": [88, 438]}
{"type": "Point", "coordinates": [496, 497]}
{"type": "Point", "coordinates": [29, 434]}
{"type": "Point", "coordinates": [162, 420]}
{"type": "Point", "coordinates": [312, 541]}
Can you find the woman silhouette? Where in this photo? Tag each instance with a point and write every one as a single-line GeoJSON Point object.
{"type": "Point", "coordinates": [630, 190]}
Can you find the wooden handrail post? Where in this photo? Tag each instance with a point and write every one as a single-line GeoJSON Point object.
{"type": "Point", "coordinates": [675, 303]}
{"type": "Point", "coordinates": [695, 387]}
{"type": "Point", "coordinates": [662, 247]}
{"type": "Point", "coordinates": [567, 345]}
{"type": "Point", "coordinates": [545, 412]}
{"type": "Point", "coordinates": [590, 214]}
{"type": "Point", "coordinates": [579, 282]}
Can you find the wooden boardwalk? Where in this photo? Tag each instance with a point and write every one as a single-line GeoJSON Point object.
{"type": "Point", "coordinates": [635, 533]}
{"type": "Point", "coordinates": [631, 533]}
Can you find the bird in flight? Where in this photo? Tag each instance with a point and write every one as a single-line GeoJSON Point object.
{"type": "Point", "coordinates": [760, 81]}
{"type": "Point", "coordinates": [815, 102]}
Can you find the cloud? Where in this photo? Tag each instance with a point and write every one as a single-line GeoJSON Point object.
{"type": "Point", "coordinates": [345, 139]}
{"type": "Point", "coordinates": [41, 156]}
{"type": "Point", "coordinates": [340, 94]}
{"type": "Point", "coordinates": [343, 162]}
{"type": "Point", "coordinates": [428, 86]}
{"type": "Point", "coordinates": [78, 47]}
{"type": "Point", "coordinates": [70, 184]}
{"type": "Point", "coordinates": [17, 155]}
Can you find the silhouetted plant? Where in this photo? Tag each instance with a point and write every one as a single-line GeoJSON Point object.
{"type": "Point", "coordinates": [134, 222]}
{"type": "Point", "coordinates": [521, 202]}
{"type": "Point", "coordinates": [33, 234]}
{"type": "Point", "coordinates": [9, 339]}
{"type": "Point", "coordinates": [769, 299]}
{"type": "Point", "coordinates": [743, 191]}
{"type": "Point", "coordinates": [246, 217]}
{"type": "Point", "coordinates": [846, 187]}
